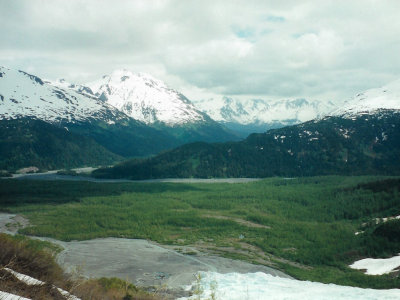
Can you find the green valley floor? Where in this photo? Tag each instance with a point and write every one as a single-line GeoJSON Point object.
{"type": "Point", "coordinates": [304, 227]}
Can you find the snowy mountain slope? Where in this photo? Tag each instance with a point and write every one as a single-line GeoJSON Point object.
{"type": "Point", "coordinates": [259, 111]}
{"type": "Point", "coordinates": [72, 108]}
{"type": "Point", "coordinates": [372, 101]}
{"type": "Point", "coordinates": [81, 89]}
{"type": "Point", "coordinates": [145, 98]}
{"type": "Point", "coordinates": [75, 108]}
{"type": "Point", "coordinates": [25, 95]}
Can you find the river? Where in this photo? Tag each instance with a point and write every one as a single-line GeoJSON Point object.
{"type": "Point", "coordinates": [52, 175]}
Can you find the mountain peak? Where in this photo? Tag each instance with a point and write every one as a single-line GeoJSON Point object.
{"type": "Point", "coordinates": [130, 78]}
{"type": "Point", "coordinates": [26, 95]}
{"type": "Point", "coordinates": [145, 98]}
{"type": "Point", "coordinates": [372, 100]}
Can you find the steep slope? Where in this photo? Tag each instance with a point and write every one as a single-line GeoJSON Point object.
{"type": "Point", "coordinates": [149, 100]}
{"type": "Point", "coordinates": [258, 115]}
{"type": "Point", "coordinates": [29, 142]}
{"type": "Point", "coordinates": [26, 96]}
{"type": "Point", "coordinates": [334, 145]}
{"type": "Point", "coordinates": [362, 139]}
{"type": "Point", "coordinates": [372, 101]}
{"type": "Point", "coordinates": [145, 98]}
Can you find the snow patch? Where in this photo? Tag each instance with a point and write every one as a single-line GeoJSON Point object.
{"type": "Point", "coordinates": [32, 281]}
{"type": "Point", "coordinates": [377, 266]}
{"type": "Point", "coordinates": [384, 220]}
{"type": "Point", "coordinates": [8, 296]}
{"type": "Point", "coordinates": [25, 278]}
{"type": "Point", "coordinates": [235, 286]}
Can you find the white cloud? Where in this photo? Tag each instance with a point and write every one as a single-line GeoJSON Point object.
{"type": "Point", "coordinates": [314, 49]}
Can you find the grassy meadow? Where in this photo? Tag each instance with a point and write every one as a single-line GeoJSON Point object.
{"type": "Point", "coordinates": [304, 226]}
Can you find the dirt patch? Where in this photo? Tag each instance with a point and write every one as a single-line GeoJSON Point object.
{"type": "Point", "coordinates": [10, 223]}
{"type": "Point", "coordinates": [237, 220]}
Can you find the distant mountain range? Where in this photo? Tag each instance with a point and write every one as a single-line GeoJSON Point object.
{"type": "Point", "coordinates": [362, 137]}
{"type": "Point", "coordinates": [123, 115]}
{"type": "Point", "coordinates": [259, 115]}
{"type": "Point", "coordinates": [96, 116]}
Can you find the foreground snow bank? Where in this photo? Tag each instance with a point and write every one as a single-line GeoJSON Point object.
{"type": "Point", "coordinates": [260, 286]}
{"type": "Point", "coordinates": [377, 266]}
{"type": "Point", "coordinates": [8, 296]}
{"type": "Point", "coordinates": [28, 280]}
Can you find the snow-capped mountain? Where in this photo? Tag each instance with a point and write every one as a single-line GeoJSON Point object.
{"type": "Point", "coordinates": [259, 111]}
{"type": "Point", "coordinates": [372, 101]}
{"type": "Point", "coordinates": [81, 89]}
{"type": "Point", "coordinates": [76, 108]}
{"type": "Point", "coordinates": [145, 98]}
{"type": "Point", "coordinates": [258, 115]}
{"type": "Point", "coordinates": [25, 95]}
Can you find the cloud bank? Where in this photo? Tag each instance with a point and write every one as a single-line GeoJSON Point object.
{"type": "Point", "coordinates": [315, 49]}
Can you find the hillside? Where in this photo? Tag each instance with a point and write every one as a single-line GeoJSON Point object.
{"type": "Point", "coordinates": [372, 101]}
{"type": "Point", "coordinates": [29, 142]}
{"type": "Point", "coordinates": [75, 108]}
{"type": "Point", "coordinates": [364, 145]}
{"type": "Point", "coordinates": [151, 101]}
{"type": "Point", "coordinates": [26, 95]}
{"type": "Point", "coordinates": [362, 137]}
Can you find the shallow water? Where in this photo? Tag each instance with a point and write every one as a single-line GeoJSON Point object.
{"type": "Point", "coordinates": [53, 176]}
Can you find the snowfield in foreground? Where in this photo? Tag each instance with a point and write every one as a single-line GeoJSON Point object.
{"type": "Point", "coordinates": [8, 296]}
{"type": "Point", "coordinates": [260, 286]}
{"type": "Point", "coordinates": [377, 266]}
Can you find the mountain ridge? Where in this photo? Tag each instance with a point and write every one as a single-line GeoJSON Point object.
{"type": "Point", "coordinates": [333, 145]}
{"type": "Point", "coordinates": [361, 142]}
{"type": "Point", "coordinates": [75, 108]}
{"type": "Point", "coordinates": [259, 115]}
{"type": "Point", "coordinates": [373, 100]}
{"type": "Point", "coordinates": [26, 95]}
{"type": "Point", "coordinates": [145, 98]}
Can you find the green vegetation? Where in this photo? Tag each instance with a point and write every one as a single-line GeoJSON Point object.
{"type": "Point", "coordinates": [31, 142]}
{"type": "Point", "coordinates": [32, 258]}
{"type": "Point", "coordinates": [68, 172]}
{"type": "Point", "coordinates": [113, 289]}
{"type": "Point", "coordinates": [4, 173]}
{"type": "Point", "coordinates": [367, 145]}
{"type": "Point", "coordinates": [304, 226]}
{"type": "Point", "coordinates": [27, 142]}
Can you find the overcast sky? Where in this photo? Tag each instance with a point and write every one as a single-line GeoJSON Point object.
{"type": "Point", "coordinates": [317, 49]}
